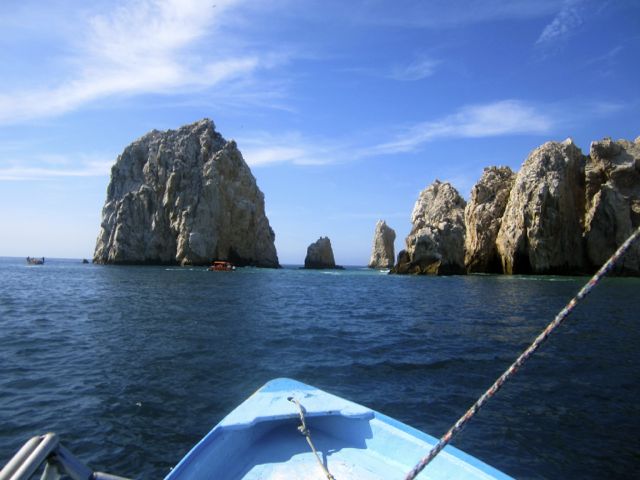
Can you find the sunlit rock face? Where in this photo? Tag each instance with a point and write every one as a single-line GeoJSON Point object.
{"type": "Point", "coordinates": [541, 229]}
{"type": "Point", "coordinates": [563, 213]}
{"type": "Point", "coordinates": [435, 244]}
{"type": "Point", "coordinates": [184, 197]}
{"type": "Point", "coordinates": [382, 253]}
{"type": "Point", "coordinates": [483, 218]}
{"type": "Point", "coordinates": [612, 202]}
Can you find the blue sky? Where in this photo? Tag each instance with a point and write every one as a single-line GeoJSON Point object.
{"type": "Point", "coordinates": [345, 111]}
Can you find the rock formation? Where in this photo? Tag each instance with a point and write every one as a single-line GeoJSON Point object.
{"type": "Point", "coordinates": [320, 255]}
{"type": "Point", "coordinates": [541, 230]}
{"type": "Point", "coordinates": [183, 197]}
{"type": "Point", "coordinates": [612, 202]}
{"type": "Point", "coordinates": [436, 242]}
{"type": "Point", "coordinates": [382, 254]}
{"type": "Point", "coordinates": [483, 218]}
{"type": "Point", "coordinates": [563, 213]}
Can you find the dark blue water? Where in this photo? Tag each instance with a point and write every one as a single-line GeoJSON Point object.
{"type": "Point", "coordinates": [132, 365]}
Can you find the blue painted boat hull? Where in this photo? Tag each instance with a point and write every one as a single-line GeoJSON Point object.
{"type": "Point", "coordinates": [260, 440]}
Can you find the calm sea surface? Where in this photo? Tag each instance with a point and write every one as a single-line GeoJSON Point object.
{"type": "Point", "coordinates": [133, 365]}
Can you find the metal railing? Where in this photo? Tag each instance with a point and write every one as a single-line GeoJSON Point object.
{"type": "Point", "coordinates": [58, 462]}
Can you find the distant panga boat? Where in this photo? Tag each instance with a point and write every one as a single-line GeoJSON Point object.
{"type": "Point", "coordinates": [35, 261]}
{"type": "Point", "coordinates": [222, 267]}
{"type": "Point", "coordinates": [291, 430]}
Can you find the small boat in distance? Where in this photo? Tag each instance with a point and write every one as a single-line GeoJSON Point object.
{"type": "Point", "coordinates": [222, 267]}
{"type": "Point", "coordinates": [35, 261]}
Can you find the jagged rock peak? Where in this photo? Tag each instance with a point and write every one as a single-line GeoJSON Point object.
{"type": "Point", "coordinates": [382, 254]}
{"type": "Point", "coordinates": [184, 196]}
{"type": "Point", "coordinates": [320, 255]}
{"type": "Point", "coordinates": [483, 218]}
{"type": "Point", "coordinates": [542, 223]}
{"type": "Point", "coordinates": [612, 202]}
{"type": "Point", "coordinates": [436, 242]}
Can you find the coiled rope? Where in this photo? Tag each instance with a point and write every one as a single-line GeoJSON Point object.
{"type": "Point", "coordinates": [515, 366]}
{"type": "Point", "coordinates": [305, 431]}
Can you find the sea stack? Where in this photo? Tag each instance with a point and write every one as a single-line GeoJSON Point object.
{"type": "Point", "coordinates": [483, 218]}
{"type": "Point", "coordinates": [320, 255]}
{"type": "Point", "coordinates": [541, 230]}
{"type": "Point", "coordinates": [184, 197]}
{"type": "Point", "coordinates": [382, 254]}
{"type": "Point", "coordinates": [435, 244]}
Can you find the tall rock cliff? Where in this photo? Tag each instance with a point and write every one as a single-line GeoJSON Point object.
{"type": "Point", "coordinates": [541, 230]}
{"type": "Point", "coordinates": [183, 197]}
{"type": "Point", "coordinates": [483, 218]}
{"type": "Point", "coordinates": [320, 255]}
{"type": "Point", "coordinates": [382, 254]}
{"type": "Point", "coordinates": [435, 244]}
{"type": "Point", "coordinates": [612, 202]}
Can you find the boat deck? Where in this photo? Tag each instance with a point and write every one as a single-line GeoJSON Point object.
{"type": "Point", "coordinates": [260, 440]}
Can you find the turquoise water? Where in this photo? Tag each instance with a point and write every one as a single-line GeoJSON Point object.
{"type": "Point", "coordinates": [132, 365]}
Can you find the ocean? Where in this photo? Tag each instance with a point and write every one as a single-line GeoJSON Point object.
{"type": "Point", "coordinates": [131, 366]}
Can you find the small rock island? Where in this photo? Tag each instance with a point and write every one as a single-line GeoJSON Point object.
{"type": "Point", "coordinates": [184, 197]}
{"type": "Point", "coordinates": [320, 255]}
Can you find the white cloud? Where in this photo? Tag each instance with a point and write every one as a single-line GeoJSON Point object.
{"type": "Point", "coordinates": [264, 149]}
{"type": "Point", "coordinates": [568, 19]}
{"type": "Point", "coordinates": [266, 155]}
{"type": "Point", "coordinates": [505, 117]}
{"type": "Point", "coordinates": [146, 46]}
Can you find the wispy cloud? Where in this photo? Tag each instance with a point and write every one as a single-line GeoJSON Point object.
{"type": "Point", "coordinates": [565, 23]}
{"type": "Point", "coordinates": [47, 167]}
{"type": "Point", "coordinates": [439, 14]}
{"type": "Point", "coordinates": [416, 70]}
{"type": "Point", "coordinates": [143, 46]}
{"type": "Point", "coordinates": [607, 63]}
{"type": "Point", "coordinates": [262, 149]}
{"type": "Point", "coordinates": [404, 72]}
{"type": "Point", "coordinates": [505, 117]}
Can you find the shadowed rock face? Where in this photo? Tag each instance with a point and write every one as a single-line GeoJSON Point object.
{"type": "Point", "coordinates": [436, 242]}
{"type": "Point", "coordinates": [184, 197]}
{"type": "Point", "coordinates": [382, 254]}
{"type": "Point", "coordinates": [320, 254]}
{"type": "Point", "coordinates": [612, 202]}
{"type": "Point", "coordinates": [541, 230]}
{"type": "Point", "coordinates": [483, 218]}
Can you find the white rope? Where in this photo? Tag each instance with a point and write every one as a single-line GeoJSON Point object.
{"type": "Point", "coordinates": [462, 421]}
{"type": "Point", "coordinates": [305, 431]}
